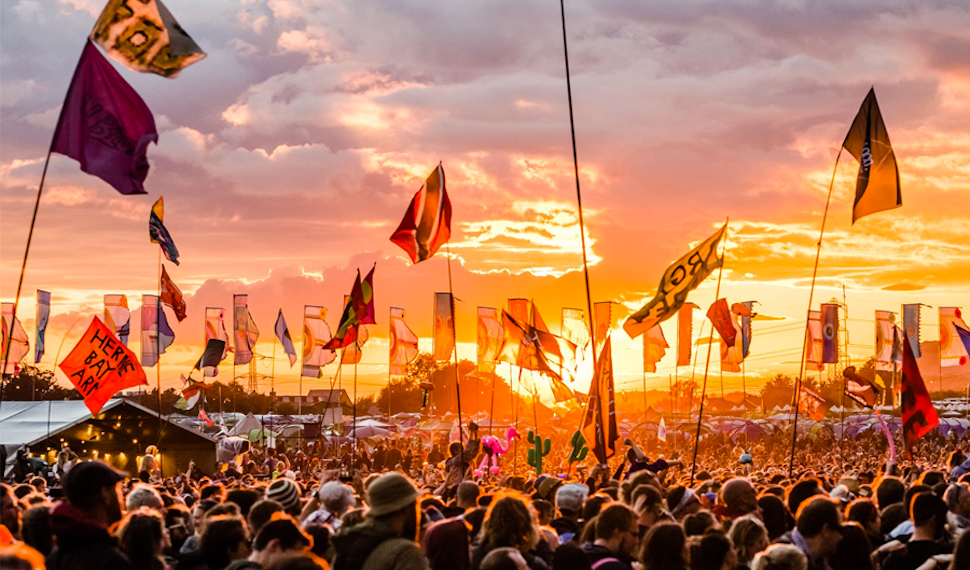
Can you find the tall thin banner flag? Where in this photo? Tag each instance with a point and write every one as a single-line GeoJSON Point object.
{"type": "Point", "coordinates": [685, 333]}
{"type": "Point", "coordinates": [316, 336]}
{"type": "Point", "coordinates": [215, 329]}
{"type": "Point", "coordinates": [43, 315]}
{"type": "Point", "coordinates": [744, 310]}
{"type": "Point", "coordinates": [521, 310]}
{"type": "Point", "coordinates": [918, 414]}
{"type": "Point", "coordinates": [682, 277]}
{"type": "Point", "coordinates": [720, 316]}
{"type": "Point", "coordinates": [444, 326]}
{"type": "Point", "coordinates": [172, 295]}
{"type": "Point", "coordinates": [283, 335]}
{"type": "Point", "coordinates": [359, 311]}
{"type": "Point", "coordinates": [654, 348]}
{"type": "Point", "coordinates": [877, 187]}
{"type": "Point", "coordinates": [105, 125]}
{"type": "Point", "coordinates": [403, 343]}
{"type": "Point", "coordinates": [601, 413]}
{"type": "Point", "coordinates": [813, 341]}
{"type": "Point", "coordinates": [427, 224]}
{"type": "Point", "coordinates": [156, 334]}
{"type": "Point", "coordinates": [830, 333]}
{"type": "Point", "coordinates": [952, 351]}
{"type": "Point", "coordinates": [662, 431]}
{"type": "Point", "coordinates": [245, 333]}
{"type": "Point", "coordinates": [885, 333]}
{"type": "Point", "coordinates": [964, 335]}
{"type": "Point", "coordinates": [19, 343]}
{"type": "Point", "coordinates": [911, 322]}
{"type": "Point", "coordinates": [559, 349]}
{"type": "Point", "coordinates": [575, 329]}
{"type": "Point", "coordinates": [602, 321]}
{"type": "Point", "coordinates": [489, 338]}
{"type": "Point", "coordinates": [158, 233]}
{"type": "Point", "coordinates": [731, 355]}
{"type": "Point", "coordinates": [353, 353]}
{"type": "Point", "coordinates": [117, 316]}
{"type": "Point", "coordinates": [100, 366]}
{"type": "Point", "coordinates": [144, 36]}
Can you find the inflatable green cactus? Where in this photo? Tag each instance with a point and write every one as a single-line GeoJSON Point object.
{"type": "Point", "coordinates": [540, 449]}
{"type": "Point", "coordinates": [579, 450]}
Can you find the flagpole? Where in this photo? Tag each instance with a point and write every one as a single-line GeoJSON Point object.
{"type": "Point", "coordinates": [272, 378]}
{"type": "Point", "coordinates": [454, 341]}
{"type": "Point", "coordinates": [811, 295]}
{"type": "Point", "coordinates": [390, 313]}
{"type": "Point", "coordinates": [357, 355]}
{"type": "Point", "coordinates": [700, 414]}
{"type": "Point", "coordinates": [158, 350]}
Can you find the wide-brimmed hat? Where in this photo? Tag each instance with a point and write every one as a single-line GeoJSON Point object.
{"type": "Point", "coordinates": [390, 493]}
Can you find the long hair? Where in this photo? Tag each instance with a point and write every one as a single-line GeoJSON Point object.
{"type": "Point", "coordinates": [140, 534]}
{"type": "Point", "coordinates": [663, 548]}
{"type": "Point", "coordinates": [509, 522]}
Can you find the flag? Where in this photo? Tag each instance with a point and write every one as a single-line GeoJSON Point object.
{"type": "Point", "coordinates": [105, 125]}
{"type": "Point", "coordinates": [427, 224]}
{"type": "Point", "coordinates": [19, 344]}
{"type": "Point", "coordinates": [952, 351]}
{"type": "Point", "coordinates": [885, 333]}
{"type": "Point", "coordinates": [203, 416]}
{"type": "Point", "coordinates": [575, 329]}
{"type": "Point", "coordinates": [898, 340]}
{"type": "Point", "coordinates": [403, 343]}
{"type": "Point", "coordinates": [117, 316]}
{"type": "Point", "coordinates": [830, 333]}
{"type": "Point", "coordinates": [813, 341]}
{"type": "Point", "coordinates": [678, 280]}
{"type": "Point", "coordinates": [521, 310]}
{"type": "Point", "coordinates": [602, 322]}
{"type": "Point", "coordinates": [918, 414]}
{"type": "Point", "coordinates": [158, 233]}
{"type": "Point", "coordinates": [860, 389]}
{"type": "Point", "coordinates": [744, 310]}
{"type": "Point", "coordinates": [685, 332]}
{"type": "Point", "coordinates": [215, 329]}
{"type": "Point", "coordinates": [877, 187]}
{"type": "Point", "coordinates": [654, 348]}
{"type": "Point", "coordinates": [156, 334]}
{"type": "Point", "coordinates": [522, 346]}
{"type": "Point", "coordinates": [813, 404]}
{"type": "Point", "coordinates": [911, 326]}
{"type": "Point", "coordinates": [662, 431]}
{"type": "Point", "coordinates": [352, 353]}
{"type": "Point", "coordinates": [215, 350]}
{"type": "Point", "coordinates": [245, 333]}
{"type": "Point", "coordinates": [191, 393]}
{"type": "Point", "coordinates": [283, 335]}
{"type": "Point", "coordinates": [359, 311]}
{"type": "Point", "coordinates": [100, 366]}
{"type": "Point", "coordinates": [560, 391]}
{"type": "Point", "coordinates": [964, 335]}
{"type": "Point", "coordinates": [560, 351]}
{"type": "Point", "coordinates": [601, 413]}
{"type": "Point", "coordinates": [43, 315]}
{"type": "Point", "coordinates": [144, 36]}
{"type": "Point", "coordinates": [489, 338]}
{"type": "Point", "coordinates": [720, 316]}
{"type": "Point", "coordinates": [172, 296]}
{"type": "Point", "coordinates": [316, 337]}
{"type": "Point", "coordinates": [444, 326]}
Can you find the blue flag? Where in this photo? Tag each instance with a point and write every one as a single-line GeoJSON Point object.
{"type": "Point", "coordinates": [159, 234]}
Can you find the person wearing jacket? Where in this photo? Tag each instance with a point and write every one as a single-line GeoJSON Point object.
{"type": "Point", "coordinates": [617, 538]}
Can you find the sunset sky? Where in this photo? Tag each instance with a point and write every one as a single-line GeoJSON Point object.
{"type": "Point", "coordinates": [288, 156]}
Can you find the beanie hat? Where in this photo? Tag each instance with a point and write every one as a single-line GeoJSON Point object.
{"type": "Point", "coordinates": [571, 497]}
{"type": "Point", "coordinates": [390, 493]}
{"type": "Point", "coordinates": [286, 492]}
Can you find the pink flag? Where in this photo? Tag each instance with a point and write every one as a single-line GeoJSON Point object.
{"type": "Point", "coordinates": [105, 125]}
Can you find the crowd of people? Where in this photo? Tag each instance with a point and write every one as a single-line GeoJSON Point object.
{"type": "Point", "coordinates": [847, 506]}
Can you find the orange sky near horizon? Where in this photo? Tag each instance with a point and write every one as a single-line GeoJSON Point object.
{"type": "Point", "coordinates": [289, 155]}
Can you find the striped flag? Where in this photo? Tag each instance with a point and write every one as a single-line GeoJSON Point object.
{"type": "Point", "coordinates": [158, 233]}
{"type": "Point", "coordinates": [427, 224]}
{"type": "Point", "coordinates": [19, 345]}
{"type": "Point", "coordinates": [245, 333]}
{"type": "Point", "coordinates": [283, 335]}
{"type": "Point", "coordinates": [359, 311]}
{"type": "Point", "coordinates": [43, 315]}
{"type": "Point", "coordinates": [444, 326]}
{"type": "Point", "coordinates": [156, 334]}
{"type": "Point", "coordinates": [403, 343]}
{"type": "Point", "coordinates": [117, 316]}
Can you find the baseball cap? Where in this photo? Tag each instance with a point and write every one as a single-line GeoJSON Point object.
{"type": "Point", "coordinates": [87, 478]}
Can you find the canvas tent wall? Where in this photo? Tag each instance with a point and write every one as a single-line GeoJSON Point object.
{"type": "Point", "coordinates": [118, 434]}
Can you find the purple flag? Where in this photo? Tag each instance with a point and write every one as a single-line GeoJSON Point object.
{"type": "Point", "coordinates": [105, 125]}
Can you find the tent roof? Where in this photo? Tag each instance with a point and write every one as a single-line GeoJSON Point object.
{"type": "Point", "coordinates": [248, 424]}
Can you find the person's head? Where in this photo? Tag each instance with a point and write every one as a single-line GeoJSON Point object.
{"type": "Point", "coordinates": [37, 531]}
{"type": "Point", "coordinates": [92, 488]}
{"type": "Point", "coordinates": [713, 551]}
{"type": "Point", "coordinates": [854, 550]}
{"type": "Point", "coordinates": [11, 514]}
{"type": "Point", "coordinates": [801, 492]}
{"type": "Point", "coordinates": [864, 512]}
{"type": "Point", "coordinates": [393, 498]}
{"type": "Point", "coordinates": [570, 500]}
{"type": "Point", "coordinates": [278, 538]}
{"type": "Point", "coordinates": [700, 522]}
{"type": "Point", "coordinates": [214, 491]}
{"type": "Point", "coordinates": [144, 496]}
{"type": "Point", "coordinates": [957, 499]}
{"type": "Point", "coordinates": [224, 539]}
{"type": "Point", "coordinates": [505, 558]}
{"type": "Point", "coordinates": [682, 501]}
{"type": "Point", "coordinates": [261, 513]}
{"type": "Point", "coordinates": [142, 537]}
{"type": "Point", "coordinates": [665, 548]}
{"type": "Point", "coordinates": [892, 516]}
{"type": "Point", "coordinates": [286, 492]}
{"type": "Point", "coordinates": [819, 522]}
{"type": "Point", "coordinates": [509, 522]}
{"type": "Point", "coordinates": [780, 557]}
{"type": "Point", "coordinates": [775, 515]}
{"type": "Point", "coordinates": [178, 521]}
{"type": "Point", "coordinates": [928, 513]}
{"type": "Point", "coordinates": [889, 490]}
{"type": "Point", "coordinates": [39, 483]}
{"type": "Point", "coordinates": [545, 511]}
{"type": "Point", "coordinates": [739, 495]}
{"type": "Point", "coordinates": [617, 529]}
{"type": "Point", "coordinates": [648, 504]}
{"type": "Point", "coordinates": [336, 497]}
{"type": "Point", "coordinates": [454, 449]}
{"type": "Point", "coordinates": [245, 498]}
{"type": "Point", "coordinates": [961, 553]}
{"type": "Point", "coordinates": [749, 536]}
{"type": "Point", "coordinates": [467, 495]}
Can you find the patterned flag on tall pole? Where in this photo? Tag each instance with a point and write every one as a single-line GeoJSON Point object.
{"type": "Point", "coordinates": [144, 36]}
{"type": "Point", "coordinates": [105, 125]}
{"type": "Point", "coordinates": [172, 295]}
{"type": "Point", "coordinates": [403, 343]}
{"type": "Point", "coordinates": [952, 351]}
{"type": "Point", "coordinates": [720, 316]}
{"type": "Point", "coordinates": [316, 337]}
{"type": "Point", "coordinates": [214, 352]}
{"type": "Point", "coordinates": [654, 348]}
{"type": "Point", "coordinates": [601, 413]}
{"type": "Point", "coordinates": [245, 333]}
{"type": "Point", "coordinates": [830, 333]}
{"type": "Point", "coordinates": [352, 353]}
{"type": "Point", "coordinates": [911, 323]}
{"type": "Point", "coordinates": [283, 335]}
{"type": "Point", "coordinates": [877, 186]}
{"type": "Point", "coordinates": [603, 322]}
{"type": "Point", "coordinates": [685, 333]}
{"type": "Point", "coordinates": [575, 329]}
{"type": "Point", "coordinates": [813, 404]}
{"type": "Point", "coordinates": [521, 310]}
{"type": "Point", "coordinates": [489, 338]}
{"type": "Point", "coordinates": [558, 348]}
{"type": "Point", "coordinates": [813, 344]}
{"type": "Point", "coordinates": [885, 333]}
{"type": "Point", "coordinates": [117, 316]}
{"type": "Point", "coordinates": [444, 326]}
{"type": "Point", "coordinates": [359, 311]}
{"type": "Point", "coordinates": [158, 233]}
{"type": "Point", "coordinates": [43, 315]}
{"type": "Point", "coordinates": [215, 329]}
{"type": "Point", "coordinates": [156, 334]}
{"type": "Point", "coordinates": [918, 414]}
{"type": "Point", "coordinates": [191, 393]}
{"type": "Point", "coordinates": [746, 313]}
{"type": "Point", "coordinates": [523, 346]}
{"type": "Point", "coordinates": [13, 333]}
{"type": "Point", "coordinates": [427, 224]}
{"type": "Point", "coordinates": [860, 389]}
{"type": "Point", "coordinates": [682, 277]}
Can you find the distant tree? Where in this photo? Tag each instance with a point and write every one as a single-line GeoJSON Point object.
{"type": "Point", "coordinates": [32, 383]}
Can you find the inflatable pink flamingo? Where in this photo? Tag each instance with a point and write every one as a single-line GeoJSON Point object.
{"type": "Point", "coordinates": [493, 448]}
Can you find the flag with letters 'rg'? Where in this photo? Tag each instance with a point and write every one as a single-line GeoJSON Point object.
{"type": "Point", "coordinates": [100, 366]}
